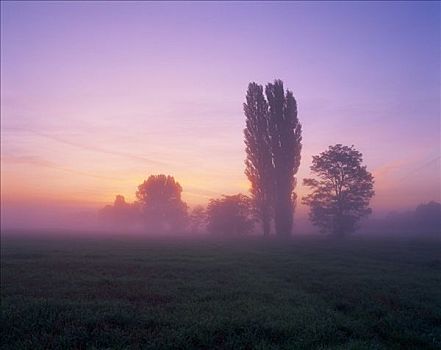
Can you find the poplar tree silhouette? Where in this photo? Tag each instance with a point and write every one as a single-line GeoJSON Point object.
{"type": "Point", "coordinates": [273, 147]}
{"type": "Point", "coordinates": [259, 164]}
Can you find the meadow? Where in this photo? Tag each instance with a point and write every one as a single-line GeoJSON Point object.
{"type": "Point", "coordinates": [308, 293]}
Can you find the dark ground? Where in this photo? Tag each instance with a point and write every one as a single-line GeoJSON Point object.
{"type": "Point", "coordinates": [249, 294]}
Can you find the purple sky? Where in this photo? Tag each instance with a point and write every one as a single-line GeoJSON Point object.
{"type": "Point", "coordinates": [97, 96]}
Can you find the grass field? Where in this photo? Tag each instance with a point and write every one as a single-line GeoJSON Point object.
{"type": "Point", "coordinates": [250, 294]}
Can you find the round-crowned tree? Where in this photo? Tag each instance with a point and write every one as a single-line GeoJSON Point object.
{"type": "Point", "coordinates": [229, 216]}
{"type": "Point", "coordinates": [159, 198]}
{"type": "Point", "coordinates": [341, 190]}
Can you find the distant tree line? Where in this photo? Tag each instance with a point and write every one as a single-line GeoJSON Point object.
{"type": "Point", "coordinates": [159, 208]}
{"type": "Point", "coordinates": [424, 222]}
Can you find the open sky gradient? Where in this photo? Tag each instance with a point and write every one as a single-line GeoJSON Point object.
{"type": "Point", "coordinates": [97, 96]}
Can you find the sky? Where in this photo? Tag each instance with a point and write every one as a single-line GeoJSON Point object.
{"type": "Point", "coordinates": [97, 96]}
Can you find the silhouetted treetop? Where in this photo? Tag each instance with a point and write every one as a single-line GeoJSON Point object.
{"type": "Point", "coordinates": [229, 215]}
{"type": "Point", "coordinates": [159, 198]}
{"type": "Point", "coordinates": [341, 190]}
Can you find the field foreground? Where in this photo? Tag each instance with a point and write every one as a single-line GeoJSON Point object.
{"type": "Point", "coordinates": [249, 294]}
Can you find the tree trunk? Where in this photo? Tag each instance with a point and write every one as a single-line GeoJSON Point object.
{"type": "Point", "coordinates": [266, 226]}
{"type": "Point", "coordinates": [283, 210]}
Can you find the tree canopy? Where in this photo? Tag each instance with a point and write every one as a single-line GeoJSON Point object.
{"type": "Point", "coordinates": [159, 199]}
{"type": "Point", "coordinates": [341, 190]}
{"type": "Point", "coordinates": [229, 215]}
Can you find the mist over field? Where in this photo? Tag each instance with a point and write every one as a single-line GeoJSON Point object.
{"type": "Point", "coordinates": [423, 222]}
{"type": "Point", "coordinates": [72, 220]}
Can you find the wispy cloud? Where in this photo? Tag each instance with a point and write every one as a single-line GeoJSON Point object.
{"type": "Point", "coordinates": [420, 167]}
{"type": "Point", "coordinates": [385, 170]}
{"type": "Point", "coordinates": [88, 147]}
{"type": "Point", "coordinates": [40, 162]}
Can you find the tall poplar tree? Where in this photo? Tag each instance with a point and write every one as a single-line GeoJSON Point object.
{"type": "Point", "coordinates": [285, 132]}
{"type": "Point", "coordinates": [259, 164]}
{"type": "Point", "coordinates": [273, 146]}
